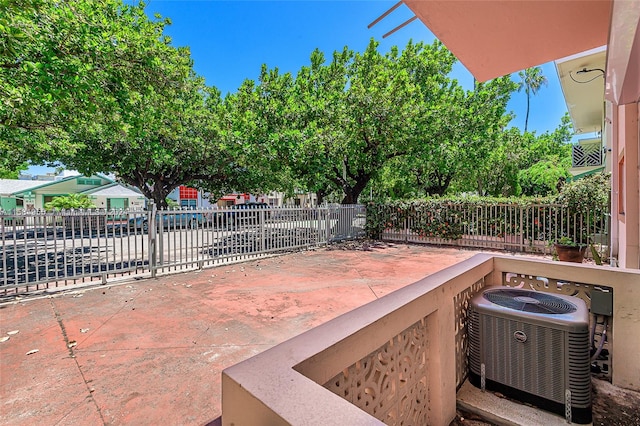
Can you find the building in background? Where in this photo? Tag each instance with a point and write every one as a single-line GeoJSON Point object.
{"type": "Point", "coordinates": [17, 194]}
{"type": "Point", "coordinates": [188, 197]}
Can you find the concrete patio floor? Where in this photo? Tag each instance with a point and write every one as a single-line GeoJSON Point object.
{"type": "Point", "coordinates": [151, 351]}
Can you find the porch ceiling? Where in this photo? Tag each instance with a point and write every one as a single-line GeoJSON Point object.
{"type": "Point", "coordinates": [495, 38]}
{"type": "Point", "coordinates": [582, 80]}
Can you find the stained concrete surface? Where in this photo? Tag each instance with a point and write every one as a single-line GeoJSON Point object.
{"type": "Point", "coordinates": [611, 406]}
{"type": "Point", "coordinates": [152, 351]}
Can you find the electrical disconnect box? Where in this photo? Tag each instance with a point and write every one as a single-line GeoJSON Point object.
{"type": "Point", "coordinates": [601, 302]}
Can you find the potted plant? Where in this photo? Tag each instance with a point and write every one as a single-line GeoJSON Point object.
{"type": "Point", "coordinates": [585, 205]}
{"type": "Point", "coordinates": [570, 251]}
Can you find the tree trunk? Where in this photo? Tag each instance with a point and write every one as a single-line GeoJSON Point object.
{"type": "Point", "coordinates": [526, 118]}
{"type": "Point", "coordinates": [160, 199]}
{"type": "Point", "coordinates": [352, 193]}
{"type": "Point", "coordinates": [158, 193]}
{"type": "Point", "coordinates": [349, 198]}
{"type": "Point", "coordinates": [320, 196]}
{"type": "Point", "coordinates": [438, 184]}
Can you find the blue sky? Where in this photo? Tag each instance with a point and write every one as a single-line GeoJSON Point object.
{"type": "Point", "coordinates": [230, 40]}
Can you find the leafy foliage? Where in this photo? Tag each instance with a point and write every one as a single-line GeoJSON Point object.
{"type": "Point", "coordinates": [543, 178]}
{"type": "Point", "coordinates": [11, 169]}
{"type": "Point", "coordinates": [171, 203]}
{"type": "Point", "coordinates": [589, 194]}
{"type": "Point", "coordinates": [98, 86]}
{"type": "Point", "coordinates": [70, 202]}
{"type": "Point", "coordinates": [446, 218]}
{"type": "Point", "coordinates": [462, 130]}
{"type": "Point", "coordinates": [60, 63]}
{"type": "Point", "coordinates": [589, 198]}
{"type": "Point", "coordinates": [506, 170]}
{"type": "Point", "coordinates": [337, 123]}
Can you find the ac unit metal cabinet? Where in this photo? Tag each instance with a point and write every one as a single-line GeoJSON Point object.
{"type": "Point", "coordinates": [534, 347]}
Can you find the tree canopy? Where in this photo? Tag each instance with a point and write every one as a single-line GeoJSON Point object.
{"type": "Point", "coordinates": [99, 87]}
{"type": "Point", "coordinates": [338, 123]}
{"type": "Point", "coordinates": [59, 61]}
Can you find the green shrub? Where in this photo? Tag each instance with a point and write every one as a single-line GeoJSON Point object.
{"type": "Point", "coordinates": [580, 210]}
{"type": "Point", "coordinates": [70, 202]}
{"type": "Point", "coordinates": [446, 218]}
{"type": "Point", "coordinates": [589, 197]}
{"type": "Point", "coordinates": [542, 178]}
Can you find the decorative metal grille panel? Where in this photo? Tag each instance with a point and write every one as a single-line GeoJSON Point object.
{"type": "Point", "coordinates": [587, 154]}
{"type": "Point", "coordinates": [461, 305]}
{"type": "Point", "coordinates": [391, 383]}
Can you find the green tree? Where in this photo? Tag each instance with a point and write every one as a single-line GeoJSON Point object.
{"type": "Point", "coordinates": [546, 160]}
{"type": "Point", "coordinates": [497, 175]}
{"type": "Point", "coordinates": [10, 169]}
{"type": "Point", "coordinates": [460, 135]}
{"type": "Point", "coordinates": [357, 112]}
{"type": "Point", "coordinates": [256, 128]}
{"type": "Point", "coordinates": [171, 138]}
{"type": "Point", "coordinates": [58, 63]}
{"type": "Point", "coordinates": [392, 106]}
{"type": "Point", "coordinates": [506, 171]}
{"type": "Point", "coordinates": [99, 86]}
{"type": "Point", "coordinates": [332, 127]}
{"type": "Point", "coordinates": [531, 81]}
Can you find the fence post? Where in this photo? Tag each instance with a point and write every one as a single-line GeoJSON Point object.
{"type": "Point", "coordinates": [151, 220]}
{"type": "Point", "coordinates": [262, 218]}
{"type": "Point", "coordinates": [522, 230]}
{"type": "Point", "coordinates": [317, 213]}
{"type": "Point", "coordinates": [327, 224]}
{"type": "Point", "coordinates": [406, 229]}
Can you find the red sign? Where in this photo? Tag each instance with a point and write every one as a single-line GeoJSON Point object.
{"type": "Point", "coordinates": [187, 193]}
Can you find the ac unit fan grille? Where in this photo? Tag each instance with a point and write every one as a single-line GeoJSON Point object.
{"type": "Point", "coordinates": [528, 301]}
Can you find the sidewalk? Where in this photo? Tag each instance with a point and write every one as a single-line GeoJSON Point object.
{"type": "Point", "coordinates": [151, 351]}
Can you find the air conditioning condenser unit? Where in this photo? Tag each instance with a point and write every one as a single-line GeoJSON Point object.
{"type": "Point", "coordinates": [533, 347]}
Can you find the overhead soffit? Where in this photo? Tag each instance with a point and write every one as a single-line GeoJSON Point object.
{"type": "Point", "coordinates": [584, 91]}
{"type": "Point", "coordinates": [495, 38]}
{"type": "Point", "coordinates": [623, 62]}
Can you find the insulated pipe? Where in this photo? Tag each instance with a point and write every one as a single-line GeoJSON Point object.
{"type": "Point", "coordinates": [603, 337]}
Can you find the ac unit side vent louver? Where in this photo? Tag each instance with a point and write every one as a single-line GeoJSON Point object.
{"type": "Point", "coordinates": [533, 347]}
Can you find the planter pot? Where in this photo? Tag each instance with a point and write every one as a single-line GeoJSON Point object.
{"type": "Point", "coordinates": [570, 253]}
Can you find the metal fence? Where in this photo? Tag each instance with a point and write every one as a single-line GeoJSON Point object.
{"type": "Point", "coordinates": [523, 228]}
{"type": "Point", "coordinates": [45, 250]}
